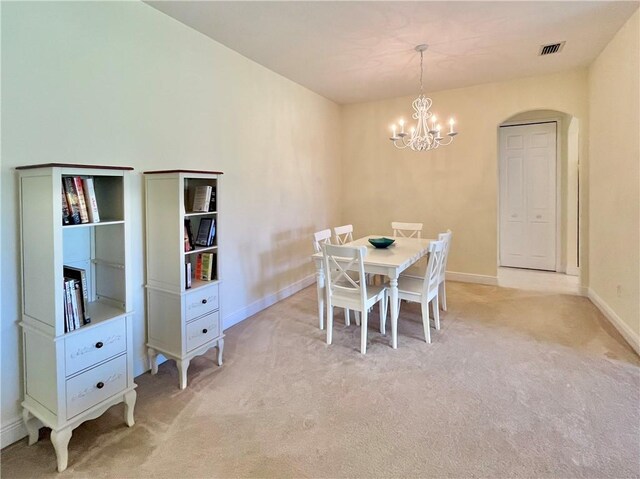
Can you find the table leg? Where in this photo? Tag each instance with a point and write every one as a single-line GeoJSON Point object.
{"type": "Point", "coordinates": [393, 297]}
{"type": "Point", "coordinates": [320, 288]}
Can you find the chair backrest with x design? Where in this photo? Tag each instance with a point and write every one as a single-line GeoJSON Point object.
{"type": "Point", "coordinates": [320, 237]}
{"type": "Point", "coordinates": [343, 234]}
{"type": "Point", "coordinates": [446, 238]}
{"type": "Point", "coordinates": [432, 274]}
{"type": "Point", "coordinates": [406, 230]}
{"type": "Point", "coordinates": [339, 261]}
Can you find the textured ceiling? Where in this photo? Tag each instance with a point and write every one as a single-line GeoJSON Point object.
{"type": "Point", "coordinates": [360, 51]}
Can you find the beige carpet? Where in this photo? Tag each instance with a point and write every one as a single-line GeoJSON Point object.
{"type": "Point", "coordinates": [516, 384]}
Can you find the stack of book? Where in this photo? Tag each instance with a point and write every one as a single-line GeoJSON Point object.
{"type": "Point", "coordinates": [205, 267]}
{"type": "Point", "coordinates": [204, 199]}
{"type": "Point", "coordinates": [206, 232]}
{"type": "Point", "coordinates": [79, 204]}
{"type": "Point", "coordinates": [76, 298]}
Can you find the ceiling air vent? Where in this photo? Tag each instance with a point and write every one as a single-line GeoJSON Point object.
{"type": "Point", "coordinates": [551, 48]}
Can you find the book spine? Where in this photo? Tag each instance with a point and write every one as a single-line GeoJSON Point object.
{"type": "Point", "coordinates": [85, 296]}
{"type": "Point", "coordinates": [187, 275]}
{"type": "Point", "coordinates": [187, 223]}
{"type": "Point", "coordinates": [212, 232]}
{"type": "Point", "coordinates": [90, 198]}
{"type": "Point", "coordinates": [66, 215]}
{"type": "Point", "coordinates": [79, 301]}
{"type": "Point", "coordinates": [65, 307]}
{"type": "Point", "coordinates": [206, 266]}
{"type": "Point", "coordinates": [199, 266]}
{"type": "Point", "coordinates": [84, 213]}
{"type": "Point", "coordinates": [72, 200]}
{"type": "Point", "coordinates": [69, 305]}
{"type": "Point", "coordinates": [75, 314]}
{"type": "Point", "coordinates": [212, 201]}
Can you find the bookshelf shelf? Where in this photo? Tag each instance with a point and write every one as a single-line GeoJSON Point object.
{"type": "Point", "coordinates": [200, 213]}
{"type": "Point", "coordinates": [75, 274]}
{"type": "Point", "coordinates": [89, 225]}
{"type": "Point", "coordinates": [201, 249]}
{"type": "Point", "coordinates": [183, 321]}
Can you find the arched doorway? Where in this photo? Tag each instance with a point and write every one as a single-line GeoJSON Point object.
{"type": "Point", "coordinates": [546, 241]}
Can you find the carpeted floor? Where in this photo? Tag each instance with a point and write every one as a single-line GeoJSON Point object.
{"type": "Point", "coordinates": [516, 384]}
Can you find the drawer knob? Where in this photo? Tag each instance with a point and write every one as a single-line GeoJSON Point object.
{"type": "Point", "coordinates": [100, 385]}
{"type": "Point", "coordinates": [99, 344]}
{"type": "Point", "coordinates": [204, 301]}
{"type": "Point", "coordinates": [204, 331]}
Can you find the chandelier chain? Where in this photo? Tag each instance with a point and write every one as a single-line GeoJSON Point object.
{"type": "Point", "coordinates": [421, 72]}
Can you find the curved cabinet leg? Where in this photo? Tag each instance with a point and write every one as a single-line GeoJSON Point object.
{"type": "Point", "coordinates": [60, 440]}
{"type": "Point", "coordinates": [183, 365]}
{"type": "Point", "coordinates": [220, 349]}
{"type": "Point", "coordinates": [32, 424]}
{"type": "Point", "coordinates": [129, 404]}
{"type": "Point", "coordinates": [153, 360]}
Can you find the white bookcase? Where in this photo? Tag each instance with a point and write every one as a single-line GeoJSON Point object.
{"type": "Point", "coordinates": [182, 322]}
{"type": "Point", "coordinates": [71, 377]}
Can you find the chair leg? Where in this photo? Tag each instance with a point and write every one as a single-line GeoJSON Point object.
{"type": "Point", "coordinates": [347, 317]}
{"type": "Point", "coordinates": [383, 315]}
{"type": "Point", "coordinates": [357, 316]}
{"type": "Point", "coordinates": [425, 322]}
{"type": "Point", "coordinates": [363, 331]}
{"type": "Point", "coordinates": [329, 323]}
{"type": "Point", "coordinates": [442, 292]}
{"type": "Point", "coordinates": [436, 311]}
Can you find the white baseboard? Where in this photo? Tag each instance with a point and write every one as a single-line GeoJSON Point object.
{"type": "Point", "coordinates": [472, 278]}
{"type": "Point", "coordinates": [627, 333]}
{"type": "Point", "coordinates": [267, 301]}
{"type": "Point", "coordinates": [12, 432]}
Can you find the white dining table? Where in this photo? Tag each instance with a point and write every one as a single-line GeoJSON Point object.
{"type": "Point", "coordinates": [389, 261]}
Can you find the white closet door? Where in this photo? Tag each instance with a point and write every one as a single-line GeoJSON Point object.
{"type": "Point", "coordinates": [528, 196]}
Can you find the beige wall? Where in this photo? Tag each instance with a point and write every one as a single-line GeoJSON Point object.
{"type": "Point", "coordinates": [614, 176]}
{"type": "Point", "coordinates": [453, 187]}
{"type": "Point", "coordinates": [121, 83]}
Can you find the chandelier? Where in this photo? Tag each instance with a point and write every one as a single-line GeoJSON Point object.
{"type": "Point", "coordinates": [427, 134]}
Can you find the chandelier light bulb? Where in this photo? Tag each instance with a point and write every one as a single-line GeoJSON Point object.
{"type": "Point", "coordinates": [422, 138]}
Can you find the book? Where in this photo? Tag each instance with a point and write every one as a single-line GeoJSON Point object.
{"type": "Point", "coordinates": [75, 312]}
{"type": "Point", "coordinates": [201, 198]}
{"type": "Point", "coordinates": [198, 266]}
{"type": "Point", "coordinates": [72, 200]}
{"type": "Point", "coordinates": [212, 201]}
{"type": "Point", "coordinates": [79, 301]}
{"type": "Point", "coordinates": [207, 266]}
{"type": "Point", "coordinates": [90, 198]}
{"type": "Point", "coordinates": [204, 232]}
{"type": "Point", "coordinates": [84, 213]}
{"type": "Point", "coordinates": [188, 235]}
{"type": "Point", "coordinates": [212, 233]}
{"type": "Point", "coordinates": [66, 214]}
{"type": "Point", "coordinates": [187, 275]}
{"type": "Point", "coordinates": [65, 307]}
{"type": "Point", "coordinates": [70, 322]}
{"type": "Point", "coordinates": [80, 275]}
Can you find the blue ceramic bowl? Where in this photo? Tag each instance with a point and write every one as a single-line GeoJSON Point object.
{"type": "Point", "coordinates": [381, 242]}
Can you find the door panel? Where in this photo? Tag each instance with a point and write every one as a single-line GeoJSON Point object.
{"type": "Point", "coordinates": [528, 196]}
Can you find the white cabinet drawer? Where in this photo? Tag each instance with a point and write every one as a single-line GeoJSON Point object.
{"type": "Point", "coordinates": [86, 348]}
{"type": "Point", "coordinates": [95, 385]}
{"type": "Point", "coordinates": [202, 330]}
{"type": "Point", "coordinates": [201, 301]}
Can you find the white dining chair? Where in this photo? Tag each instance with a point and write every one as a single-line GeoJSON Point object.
{"type": "Point", "coordinates": [442, 289]}
{"type": "Point", "coordinates": [345, 292]}
{"type": "Point", "coordinates": [410, 230]}
{"type": "Point", "coordinates": [425, 290]}
{"type": "Point", "coordinates": [406, 230]}
{"type": "Point", "coordinates": [343, 234]}
{"type": "Point", "coordinates": [320, 238]}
